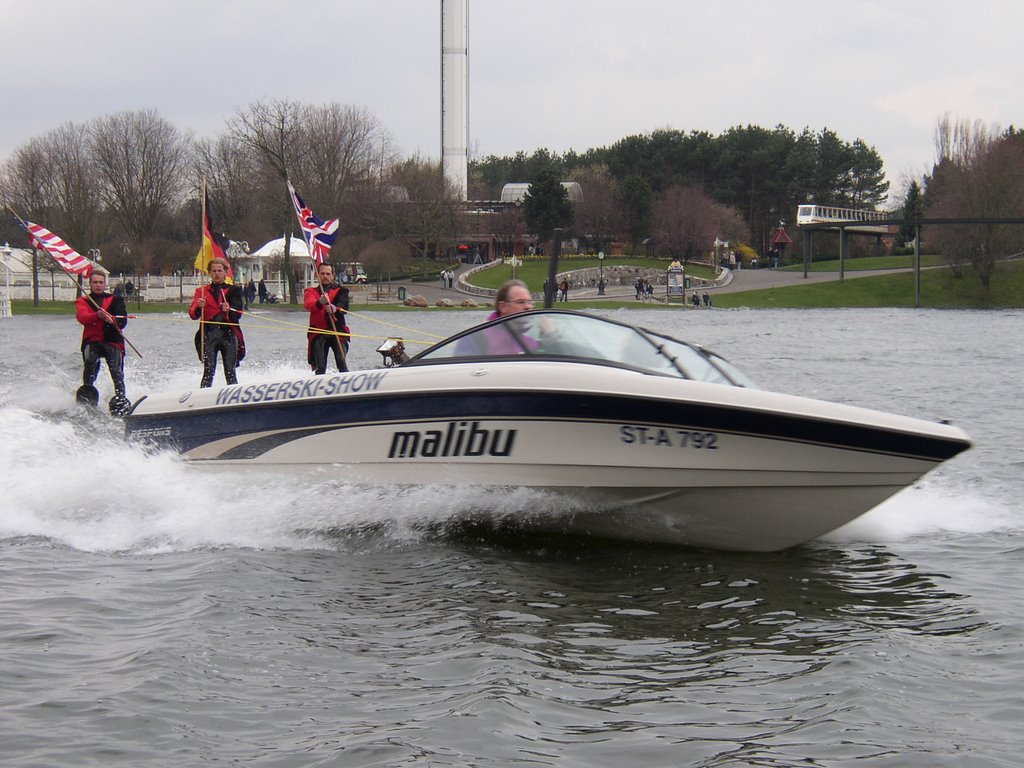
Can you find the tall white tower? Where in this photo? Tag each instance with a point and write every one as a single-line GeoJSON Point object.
{"type": "Point", "coordinates": [455, 93]}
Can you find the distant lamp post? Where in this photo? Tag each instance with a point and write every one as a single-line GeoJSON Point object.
{"type": "Point", "coordinates": [5, 302]}
{"type": "Point", "coordinates": [600, 278]}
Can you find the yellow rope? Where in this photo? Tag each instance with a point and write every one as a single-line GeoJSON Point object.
{"type": "Point", "coordinates": [396, 325]}
{"type": "Point", "coordinates": [303, 327]}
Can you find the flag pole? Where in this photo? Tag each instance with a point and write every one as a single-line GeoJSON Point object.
{"type": "Point", "coordinates": [87, 294]}
{"type": "Point", "coordinates": [202, 248]}
{"type": "Point", "coordinates": [338, 346]}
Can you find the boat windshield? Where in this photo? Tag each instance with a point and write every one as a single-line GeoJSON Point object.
{"type": "Point", "coordinates": [547, 334]}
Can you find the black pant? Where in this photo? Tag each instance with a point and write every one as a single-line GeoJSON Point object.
{"type": "Point", "coordinates": [322, 345]}
{"type": "Point", "coordinates": [219, 339]}
{"type": "Point", "coordinates": [95, 351]}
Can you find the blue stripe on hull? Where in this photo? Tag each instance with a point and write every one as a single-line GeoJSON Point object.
{"type": "Point", "coordinates": [185, 431]}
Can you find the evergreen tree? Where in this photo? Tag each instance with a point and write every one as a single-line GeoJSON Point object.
{"type": "Point", "coordinates": [913, 210]}
{"type": "Point", "coordinates": [546, 205]}
{"type": "Point", "coordinates": [868, 187]}
{"type": "Point", "coordinates": [636, 200]}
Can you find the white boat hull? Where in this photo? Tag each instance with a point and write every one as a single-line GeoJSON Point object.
{"type": "Point", "coordinates": [642, 457]}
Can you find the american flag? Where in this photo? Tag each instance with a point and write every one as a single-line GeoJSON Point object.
{"type": "Point", "coordinates": [63, 254]}
{"type": "Point", "coordinates": [319, 234]}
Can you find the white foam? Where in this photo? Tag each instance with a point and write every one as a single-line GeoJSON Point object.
{"type": "Point", "coordinates": [928, 509]}
{"type": "Point", "coordinates": [71, 477]}
{"type": "Point", "coordinates": [74, 480]}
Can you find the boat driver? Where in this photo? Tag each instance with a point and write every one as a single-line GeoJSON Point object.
{"type": "Point", "coordinates": [512, 298]}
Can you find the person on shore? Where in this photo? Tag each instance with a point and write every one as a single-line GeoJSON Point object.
{"type": "Point", "coordinates": [102, 316]}
{"type": "Point", "coordinates": [327, 304]}
{"type": "Point", "coordinates": [218, 306]}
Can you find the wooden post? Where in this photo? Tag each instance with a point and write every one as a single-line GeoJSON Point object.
{"type": "Point", "coordinates": [556, 247]}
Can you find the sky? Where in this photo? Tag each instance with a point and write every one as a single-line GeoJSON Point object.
{"type": "Point", "coordinates": [555, 74]}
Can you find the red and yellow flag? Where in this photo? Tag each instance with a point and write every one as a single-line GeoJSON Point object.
{"type": "Point", "coordinates": [215, 245]}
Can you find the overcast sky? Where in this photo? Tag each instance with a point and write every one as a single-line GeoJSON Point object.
{"type": "Point", "coordinates": [561, 74]}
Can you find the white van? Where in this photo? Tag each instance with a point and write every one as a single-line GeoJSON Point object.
{"type": "Point", "coordinates": [352, 272]}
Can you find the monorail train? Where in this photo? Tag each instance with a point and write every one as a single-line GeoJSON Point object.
{"type": "Point", "coordinates": [819, 214]}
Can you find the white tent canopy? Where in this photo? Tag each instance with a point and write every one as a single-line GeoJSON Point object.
{"type": "Point", "coordinates": [275, 249]}
{"type": "Point", "coordinates": [265, 263]}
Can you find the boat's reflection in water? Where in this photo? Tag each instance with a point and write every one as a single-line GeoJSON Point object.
{"type": "Point", "coordinates": [602, 604]}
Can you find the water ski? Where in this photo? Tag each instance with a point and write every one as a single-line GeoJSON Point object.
{"type": "Point", "coordinates": [119, 405]}
{"type": "Point", "coordinates": [87, 394]}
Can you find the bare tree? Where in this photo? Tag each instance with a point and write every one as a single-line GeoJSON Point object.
{"type": "Point", "coordinates": [343, 145]}
{"type": "Point", "coordinates": [980, 176]}
{"type": "Point", "coordinates": [27, 181]}
{"type": "Point", "coordinates": [959, 141]}
{"type": "Point", "coordinates": [141, 161]}
{"type": "Point", "coordinates": [597, 215]}
{"type": "Point", "coordinates": [425, 212]}
{"type": "Point", "coordinates": [76, 188]}
{"type": "Point", "coordinates": [383, 258]}
{"type": "Point", "coordinates": [273, 133]}
{"type": "Point", "coordinates": [509, 228]}
{"type": "Point", "coordinates": [51, 180]}
{"type": "Point", "coordinates": [231, 173]}
{"type": "Point", "coordinates": [687, 221]}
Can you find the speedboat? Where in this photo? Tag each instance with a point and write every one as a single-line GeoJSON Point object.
{"type": "Point", "coordinates": [652, 438]}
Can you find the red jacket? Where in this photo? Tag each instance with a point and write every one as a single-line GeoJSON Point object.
{"type": "Point", "coordinates": [95, 330]}
{"type": "Point", "coordinates": [231, 293]}
{"type": "Point", "coordinates": [338, 296]}
{"type": "Point", "coordinates": [214, 313]}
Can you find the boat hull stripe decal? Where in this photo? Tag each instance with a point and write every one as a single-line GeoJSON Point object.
{"type": "Point", "coordinates": [186, 431]}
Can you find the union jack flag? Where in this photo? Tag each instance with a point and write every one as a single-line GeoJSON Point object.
{"type": "Point", "coordinates": [70, 259]}
{"type": "Point", "coordinates": [319, 234]}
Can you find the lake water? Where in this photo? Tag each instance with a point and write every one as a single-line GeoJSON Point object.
{"type": "Point", "coordinates": [153, 614]}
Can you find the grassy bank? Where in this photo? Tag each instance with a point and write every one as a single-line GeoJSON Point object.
{"type": "Point", "coordinates": [939, 290]}
{"type": "Point", "coordinates": [535, 272]}
{"type": "Point", "coordinates": [868, 263]}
